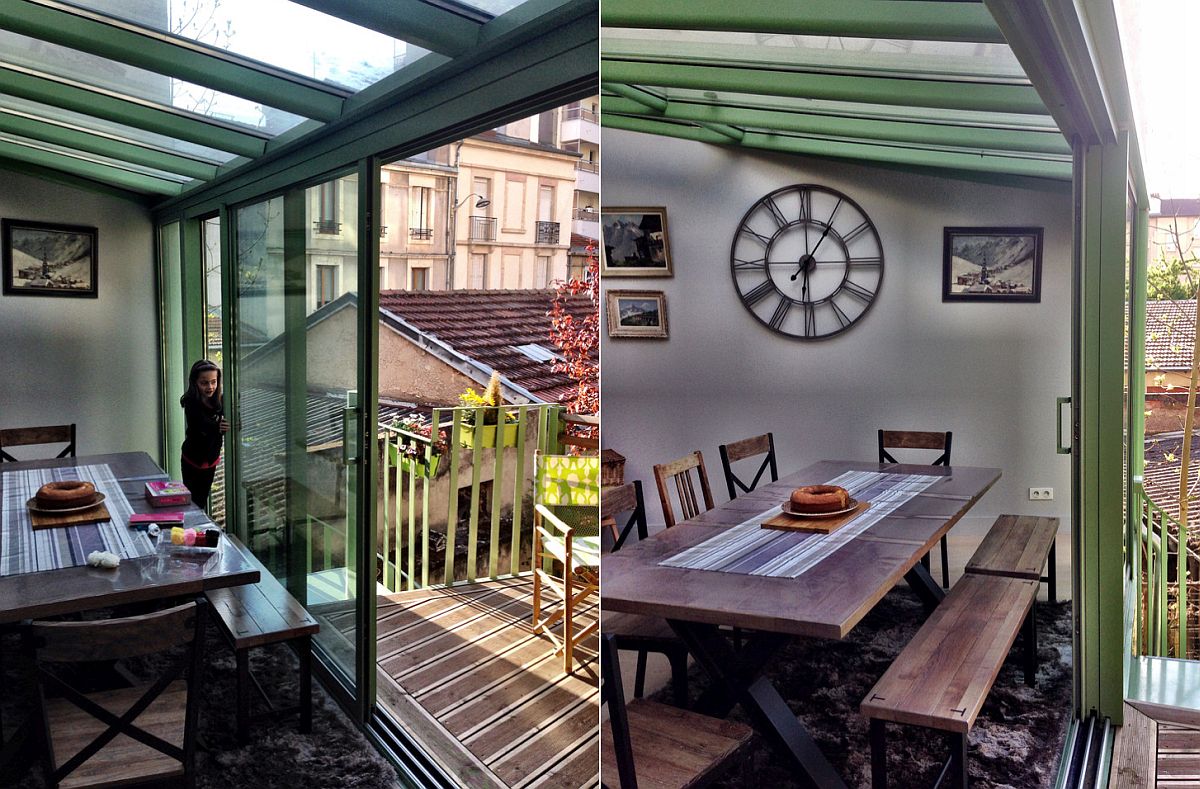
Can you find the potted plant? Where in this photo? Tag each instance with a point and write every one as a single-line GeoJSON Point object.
{"type": "Point", "coordinates": [409, 451]}
{"type": "Point", "coordinates": [496, 420]}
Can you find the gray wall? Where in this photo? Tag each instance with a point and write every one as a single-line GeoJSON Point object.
{"type": "Point", "coordinates": [989, 372]}
{"type": "Point", "coordinates": [89, 361]}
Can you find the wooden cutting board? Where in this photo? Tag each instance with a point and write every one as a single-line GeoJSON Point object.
{"type": "Point", "coordinates": [785, 522]}
{"type": "Point", "coordinates": [97, 514]}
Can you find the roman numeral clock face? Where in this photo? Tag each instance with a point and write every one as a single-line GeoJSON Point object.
{"type": "Point", "coordinates": [807, 261]}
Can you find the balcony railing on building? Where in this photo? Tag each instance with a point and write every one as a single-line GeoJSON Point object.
{"type": "Point", "coordinates": [1166, 577]}
{"type": "Point", "coordinates": [483, 228]}
{"type": "Point", "coordinates": [420, 233]}
{"type": "Point", "coordinates": [383, 231]}
{"type": "Point", "coordinates": [462, 514]}
{"type": "Point", "coordinates": [329, 227]}
{"type": "Point", "coordinates": [547, 233]}
{"type": "Point", "coordinates": [582, 113]}
{"type": "Point", "coordinates": [586, 214]}
{"type": "Point", "coordinates": [587, 166]}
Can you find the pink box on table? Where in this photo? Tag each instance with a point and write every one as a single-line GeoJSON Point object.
{"type": "Point", "coordinates": [167, 493]}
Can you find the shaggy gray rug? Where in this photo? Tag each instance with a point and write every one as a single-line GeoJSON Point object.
{"type": "Point", "coordinates": [1015, 743]}
{"type": "Point", "coordinates": [336, 754]}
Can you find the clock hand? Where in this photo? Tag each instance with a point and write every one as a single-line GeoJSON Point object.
{"type": "Point", "coordinates": [828, 227]}
{"type": "Point", "coordinates": [804, 290]}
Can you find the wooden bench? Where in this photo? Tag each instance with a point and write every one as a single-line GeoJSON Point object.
{"type": "Point", "coordinates": [648, 744]}
{"type": "Point", "coordinates": [1018, 547]}
{"type": "Point", "coordinates": [254, 615]}
{"type": "Point", "coordinates": [941, 678]}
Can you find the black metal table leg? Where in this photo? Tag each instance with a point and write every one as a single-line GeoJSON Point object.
{"type": "Point", "coordinates": [927, 589]}
{"type": "Point", "coordinates": [1029, 629]}
{"type": "Point", "coordinates": [1051, 578]}
{"type": "Point", "coordinates": [739, 675]}
{"type": "Point", "coordinates": [945, 564]}
{"type": "Point", "coordinates": [878, 754]}
{"type": "Point", "coordinates": [958, 758]}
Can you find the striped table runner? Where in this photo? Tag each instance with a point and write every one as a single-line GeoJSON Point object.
{"type": "Point", "coordinates": [22, 550]}
{"type": "Point", "coordinates": [749, 549]}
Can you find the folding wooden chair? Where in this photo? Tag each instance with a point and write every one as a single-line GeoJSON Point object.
{"type": "Point", "coordinates": [28, 436]}
{"type": "Point", "coordinates": [130, 735]}
{"type": "Point", "coordinates": [922, 440]}
{"type": "Point", "coordinates": [573, 551]}
{"type": "Point", "coordinates": [746, 448]}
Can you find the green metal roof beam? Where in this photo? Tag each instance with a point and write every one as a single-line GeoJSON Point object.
{"type": "Point", "coordinates": [35, 86]}
{"type": "Point", "coordinates": [871, 90]}
{"type": "Point", "coordinates": [170, 55]}
{"type": "Point", "coordinates": [103, 144]}
{"type": "Point", "coordinates": [923, 65]}
{"type": "Point", "coordinates": [915, 19]}
{"type": "Point", "coordinates": [884, 131]}
{"type": "Point", "coordinates": [97, 171]}
{"type": "Point", "coordinates": [435, 28]}
{"type": "Point", "coordinates": [637, 96]}
{"type": "Point", "coordinates": [946, 160]}
{"type": "Point", "coordinates": [76, 182]}
{"type": "Point", "coordinates": [642, 100]}
{"type": "Point", "coordinates": [879, 112]}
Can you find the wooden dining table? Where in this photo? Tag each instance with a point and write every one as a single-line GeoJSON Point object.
{"type": "Point", "coordinates": [156, 576]}
{"type": "Point", "coordinates": [722, 569]}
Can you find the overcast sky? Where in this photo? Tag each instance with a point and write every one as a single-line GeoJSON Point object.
{"type": "Point", "coordinates": [1162, 38]}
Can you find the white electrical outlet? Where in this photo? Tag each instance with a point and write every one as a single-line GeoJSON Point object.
{"type": "Point", "coordinates": [1041, 494]}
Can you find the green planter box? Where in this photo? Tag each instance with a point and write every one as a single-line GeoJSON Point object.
{"type": "Point", "coordinates": [508, 437]}
{"type": "Point", "coordinates": [417, 465]}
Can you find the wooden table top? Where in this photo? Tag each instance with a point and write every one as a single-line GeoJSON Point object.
{"type": "Point", "coordinates": [158, 576]}
{"type": "Point", "coordinates": [828, 600]}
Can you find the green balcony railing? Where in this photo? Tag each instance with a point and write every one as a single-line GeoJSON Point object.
{"type": "Point", "coordinates": [464, 514]}
{"type": "Point", "coordinates": [1166, 571]}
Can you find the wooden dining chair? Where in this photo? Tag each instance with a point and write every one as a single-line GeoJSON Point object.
{"type": "Point", "coordinates": [140, 734]}
{"type": "Point", "coordinates": [636, 632]}
{"type": "Point", "coordinates": [671, 746]}
{"type": "Point", "coordinates": [28, 436]}
{"type": "Point", "coordinates": [931, 441]}
{"type": "Point", "coordinates": [747, 448]}
{"type": "Point", "coordinates": [682, 471]}
{"type": "Point", "coordinates": [572, 552]}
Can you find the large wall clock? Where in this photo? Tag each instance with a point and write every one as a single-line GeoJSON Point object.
{"type": "Point", "coordinates": [807, 261]}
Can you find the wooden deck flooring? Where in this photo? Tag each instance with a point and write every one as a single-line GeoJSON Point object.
{"type": "Point", "coordinates": [1157, 748]}
{"type": "Point", "coordinates": [462, 670]}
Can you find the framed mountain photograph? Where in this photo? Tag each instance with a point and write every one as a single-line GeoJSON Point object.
{"type": "Point", "coordinates": [992, 264]}
{"type": "Point", "coordinates": [43, 259]}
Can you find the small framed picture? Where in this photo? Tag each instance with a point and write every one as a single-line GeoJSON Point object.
{"type": "Point", "coordinates": [42, 259]}
{"type": "Point", "coordinates": [636, 313]}
{"type": "Point", "coordinates": [635, 242]}
{"type": "Point", "coordinates": [992, 264]}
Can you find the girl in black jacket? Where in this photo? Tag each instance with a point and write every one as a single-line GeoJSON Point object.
{"type": "Point", "coordinates": [204, 410]}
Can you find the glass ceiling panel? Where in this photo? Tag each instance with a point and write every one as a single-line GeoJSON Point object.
{"type": "Point", "coordinates": [493, 7]}
{"type": "Point", "coordinates": [276, 32]}
{"type": "Point", "coordinates": [91, 157]}
{"type": "Point", "coordinates": [917, 58]}
{"type": "Point", "coordinates": [128, 133]}
{"type": "Point", "coordinates": [991, 120]}
{"type": "Point", "coordinates": [88, 69]}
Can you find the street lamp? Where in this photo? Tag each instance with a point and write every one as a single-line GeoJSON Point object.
{"type": "Point", "coordinates": [483, 202]}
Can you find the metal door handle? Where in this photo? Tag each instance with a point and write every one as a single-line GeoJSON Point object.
{"type": "Point", "coordinates": [1058, 434]}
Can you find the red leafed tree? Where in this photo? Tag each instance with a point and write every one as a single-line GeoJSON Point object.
{"type": "Point", "coordinates": [579, 338]}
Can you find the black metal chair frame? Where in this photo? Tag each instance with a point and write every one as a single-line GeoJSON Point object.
{"type": "Point", "coordinates": [636, 518]}
{"type": "Point", "coordinates": [731, 479]}
{"type": "Point", "coordinates": [68, 452]}
{"type": "Point", "coordinates": [673, 649]}
{"type": "Point", "coordinates": [941, 460]}
{"type": "Point", "coordinates": [124, 724]}
{"type": "Point", "coordinates": [612, 693]}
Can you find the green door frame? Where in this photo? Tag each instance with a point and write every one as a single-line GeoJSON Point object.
{"type": "Point", "coordinates": [1102, 188]}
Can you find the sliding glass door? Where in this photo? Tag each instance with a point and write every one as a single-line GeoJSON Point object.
{"type": "Point", "coordinates": [295, 385]}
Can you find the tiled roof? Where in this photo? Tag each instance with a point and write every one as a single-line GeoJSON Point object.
{"type": "Point", "coordinates": [487, 325]}
{"type": "Point", "coordinates": [1161, 476]}
{"type": "Point", "coordinates": [1170, 334]}
{"type": "Point", "coordinates": [579, 243]}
